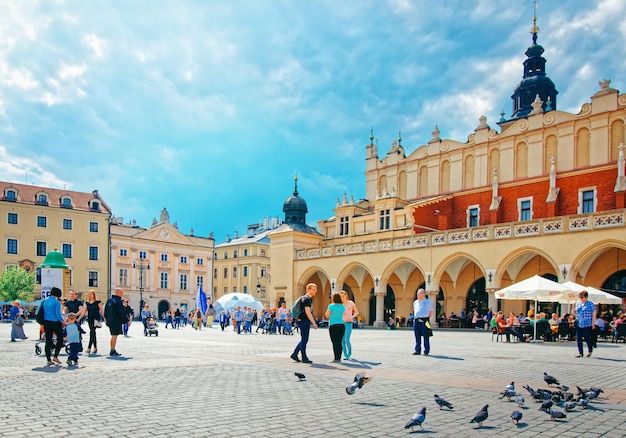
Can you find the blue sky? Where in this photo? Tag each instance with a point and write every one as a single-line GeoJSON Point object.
{"type": "Point", "coordinates": [210, 108]}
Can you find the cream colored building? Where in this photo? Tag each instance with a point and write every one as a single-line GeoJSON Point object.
{"type": "Point", "coordinates": [160, 265]}
{"type": "Point", "coordinates": [544, 194]}
{"type": "Point", "coordinates": [36, 220]}
{"type": "Point", "coordinates": [242, 263]}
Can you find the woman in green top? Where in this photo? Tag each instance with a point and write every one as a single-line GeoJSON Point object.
{"type": "Point", "coordinates": [336, 327]}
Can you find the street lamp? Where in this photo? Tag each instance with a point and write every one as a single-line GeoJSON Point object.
{"type": "Point", "coordinates": [142, 265]}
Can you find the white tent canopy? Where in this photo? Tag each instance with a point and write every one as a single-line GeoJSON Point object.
{"type": "Point", "coordinates": [534, 288]}
{"type": "Point", "coordinates": [596, 296]}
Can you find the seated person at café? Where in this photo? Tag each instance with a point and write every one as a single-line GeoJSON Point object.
{"type": "Point", "coordinates": [391, 324]}
{"type": "Point", "coordinates": [509, 327]}
{"type": "Point", "coordinates": [443, 320]}
{"type": "Point", "coordinates": [453, 316]}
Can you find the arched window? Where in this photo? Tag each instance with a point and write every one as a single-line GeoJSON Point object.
{"type": "Point", "coordinates": [550, 148]}
{"type": "Point", "coordinates": [423, 181]}
{"type": "Point", "coordinates": [521, 161]}
{"type": "Point", "coordinates": [382, 185]}
{"type": "Point", "coordinates": [617, 137]}
{"type": "Point", "coordinates": [402, 185]}
{"type": "Point", "coordinates": [445, 177]}
{"type": "Point", "coordinates": [468, 172]}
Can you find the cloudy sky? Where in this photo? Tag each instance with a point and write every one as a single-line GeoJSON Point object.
{"type": "Point", "coordinates": [210, 108]}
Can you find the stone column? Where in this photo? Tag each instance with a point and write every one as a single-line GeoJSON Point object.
{"type": "Point", "coordinates": [380, 303]}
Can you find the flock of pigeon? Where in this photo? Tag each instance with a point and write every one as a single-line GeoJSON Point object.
{"type": "Point", "coordinates": [558, 395]}
{"type": "Point", "coordinates": [549, 399]}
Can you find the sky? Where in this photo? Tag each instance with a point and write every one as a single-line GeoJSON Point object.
{"type": "Point", "coordinates": [211, 108]}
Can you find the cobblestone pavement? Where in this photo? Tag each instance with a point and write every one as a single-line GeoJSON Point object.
{"type": "Point", "coordinates": [213, 383]}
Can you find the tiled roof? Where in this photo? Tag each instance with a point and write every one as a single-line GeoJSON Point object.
{"type": "Point", "coordinates": [27, 194]}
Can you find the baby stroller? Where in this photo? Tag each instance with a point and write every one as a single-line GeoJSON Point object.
{"type": "Point", "coordinates": [287, 330]}
{"type": "Point", "coordinates": [151, 328]}
{"type": "Point", "coordinates": [39, 349]}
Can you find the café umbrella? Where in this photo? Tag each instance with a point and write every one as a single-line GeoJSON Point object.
{"type": "Point", "coordinates": [534, 288]}
{"type": "Point", "coordinates": [596, 296]}
{"type": "Point", "coordinates": [229, 302]}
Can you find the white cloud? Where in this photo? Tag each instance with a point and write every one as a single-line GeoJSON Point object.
{"type": "Point", "coordinates": [72, 71]}
{"type": "Point", "coordinates": [14, 167]}
{"type": "Point", "coordinates": [97, 45]}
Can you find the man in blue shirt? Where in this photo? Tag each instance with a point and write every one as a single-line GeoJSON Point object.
{"type": "Point", "coordinates": [422, 311]}
{"type": "Point", "coordinates": [53, 324]}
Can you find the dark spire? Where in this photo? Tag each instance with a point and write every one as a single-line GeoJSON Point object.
{"type": "Point", "coordinates": [535, 81]}
{"type": "Point", "coordinates": [294, 207]}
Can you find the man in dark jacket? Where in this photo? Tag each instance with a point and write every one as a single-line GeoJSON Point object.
{"type": "Point", "coordinates": [116, 316]}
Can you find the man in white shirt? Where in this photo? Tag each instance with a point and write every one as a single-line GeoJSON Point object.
{"type": "Point", "coordinates": [422, 311]}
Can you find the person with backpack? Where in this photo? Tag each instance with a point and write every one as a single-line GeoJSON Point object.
{"type": "Point", "coordinates": [115, 316]}
{"type": "Point", "coordinates": [49, 316]}
{"type": "Point", "coordinates": [302, 312]}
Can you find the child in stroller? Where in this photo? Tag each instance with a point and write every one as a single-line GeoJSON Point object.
{"type": "Point", "coordinates": [151, 327]}
{"type": "Point", "coordinates": [287, 330]}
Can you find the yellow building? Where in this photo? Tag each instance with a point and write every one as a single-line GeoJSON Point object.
{"type": "Point", "coordinates": [242, 264]}
{"type": "Point", "coordinates": [160, 265]}
{"type": "Point", "coordinates": [543, 195]}
{"type": "Point", "coordinates": [36, 220]}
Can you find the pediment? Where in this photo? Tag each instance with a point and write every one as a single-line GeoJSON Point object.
{"type": "Point", "coordinates": [166, 233]}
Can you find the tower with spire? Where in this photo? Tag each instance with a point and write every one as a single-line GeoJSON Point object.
{"type": "Point", "coordinates": [535, 82]}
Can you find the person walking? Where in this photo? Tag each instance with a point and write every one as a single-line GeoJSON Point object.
{"type": "Point", "coordinates": [16, 316]}
{"type": "Point", "coordinates": [336, 327]}
{"type": "Point", "coordinates": [53, 325]}
{"type": "Point", "coordinates": [585, 323]}
{"type": "Point", "coordinates": [349, 314]}
{"type": "Point", "coordinates": [115, 316]}
{"type": "Point", "coordinates": [75, 306]}
{"type": "Point", "coordinates": [94, 316]}
{"type": "Point", "coordinates": [145, 316]}
{"type": "Point", "coordinates": [305, 321]}
{"type": "Point", "coordinates": [422, 311]}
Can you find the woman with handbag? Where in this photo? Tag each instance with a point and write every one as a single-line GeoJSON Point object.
{"type": "Point", "coordinates": [17, 322]}
{"type": "Point", "coordinates": [94, 319]}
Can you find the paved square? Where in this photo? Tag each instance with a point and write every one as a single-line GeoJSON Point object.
{"type": "Point", "coordinates": [213, 383]}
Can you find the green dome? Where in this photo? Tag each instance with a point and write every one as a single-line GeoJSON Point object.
{"type": "Point", "coordinates": [54, 259]}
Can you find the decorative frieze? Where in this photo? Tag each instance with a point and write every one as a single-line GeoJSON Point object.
{"type": "Point", "coordinates": [550, 227]}
{"type": "Point", "coordinates": [526, 229]}
{"type": "Point", "coordinates": [502, 232]}
{"type": "Point", "coordinates": [579, 223]}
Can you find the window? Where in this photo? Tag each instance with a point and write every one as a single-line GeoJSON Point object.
{"type": "Point", "coordinates": [142, 255]}
{"type": "Point", "coordinates": [123, 252]}
{"type": "Point", "coordinates": [385, 217]}
{"type": "Point", "coordinates": [37, 275]}
{"type": "Point", "coordinates": [95, 206]}
{"type": "Point", "coordinates": [262, 253]}
{"type": "Point", "coordinates": [214, 256]}
{"type": "Point", "coordinates": [215, 291]}
{"type": "Point", "coordinates": [245, 253]}
{"type": "Point", "coordinates": [473, 218]}
{"type": "Point", "coordinates": [586, 201]}
{"type": "Point", "coordinates": [234, 289]}
{"type": "Point", "coordinates": [66, 203]}
{"type": "Point", "coordinates": [344, 226]}
{"type": "Point", "coordinates": [525, 209]}
{"type": "Point", "coordinates": [11, 195]}
{"type": "Point", "coordinates": [225, 255]}
{"type": "Point", "coordinates": [199, 281]}
{"type": "Point", "coordinates": [200, 261]}
{"type": "Point", "coordinates": [42, 200]}
{"type": "Point", "coordinates": [234, 271]}
{"type": "Point", "coordinates": [41, 249]}
{"type": "Point", "coordinates": [163, 280]}
{"type": "Point", "coordinates": [225, 272]}
{"type": "Point", "coordinates": [215, 273]}
{"type": "Point", "coordinates": [245, 289]}
{"type": "Point", "coordinates": [263, 271]}
{"type": "Point", "coordinates": [42, 221]}
{"type": "Point", "coordinates": [123, 278]}
{"type": "Point", "coordinates": [235, 253]}
{"type": "Point", "coordinates": [67, 224]}
{"type": "Point", "coordinates": [93, 227]}
{"type": "Point", "coordinates": [225, 290]}
{"type": "Point", "coordinates": [93, 253]}
{"type": "Point", "coordinates": [67, 250]}
{"type": "Point", "coordinates": [93, 279]}
{"type": "Point", "coordinates": [183, 259]}
{"type": "Point", "coordinates": [12, 246]}
{"type": "Point", "coordinates": [183, 281]}
{"type": "Point", "coordinates": [12, 219]}
{"type": "Point", "coordinates": [245, 271]}
{"type": "Point", "coordinates": [163, 257]}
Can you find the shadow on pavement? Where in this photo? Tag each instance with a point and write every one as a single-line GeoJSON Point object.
{"type": "Point", "coordinates": [48, 369]}
{"type": "Point", "coordinates": [445, 357]}
{"type": "Point", "coordinates": [119, 358]}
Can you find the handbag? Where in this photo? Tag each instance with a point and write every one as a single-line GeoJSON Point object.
{"type": "Point", "coordinates": [19, 321]}
{"type": "Point", "coordinates": [97, 323]}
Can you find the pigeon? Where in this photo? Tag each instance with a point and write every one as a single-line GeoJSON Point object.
{"type": "Point", "coordinates": [570, 407]}
{"type": "Point", "coordinates": [563, 387]}
{"type": "Point", "coordinates": [510, 387]}
{"type": "Point", "coordinates": [352, 388]}
{"type": "Point", "coordinates": [534, 394]}
{"type": "Point", "coordinates": [508, 394]}
{"type": "Point", "coordinates": [550, 380]}
{"type": "Point", "coordinates": [516, 416]}
{"type": "Point", "coordinates": [583, 403]}
{"type": "Point", "coordinates": [568, 396]}
{"type": "Point", "coordinates": [594, 393]}
{"type": "Point", "coordinates": [556, 414]}
{"type": "Point", "coordinates": [442, 402]}
{"type": "Point", "coordinates": [300, 376]}
{"type": "Point", "coordinates": [417, 419]}
{"type": "Point", "coordinates": [519, 400]}
{"type": "Point", "coordinates": [555, 399]}
{"type": "Point", "coordinates": [481, 416]}
{"type": "Point", "coordinates": [546, 405]}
